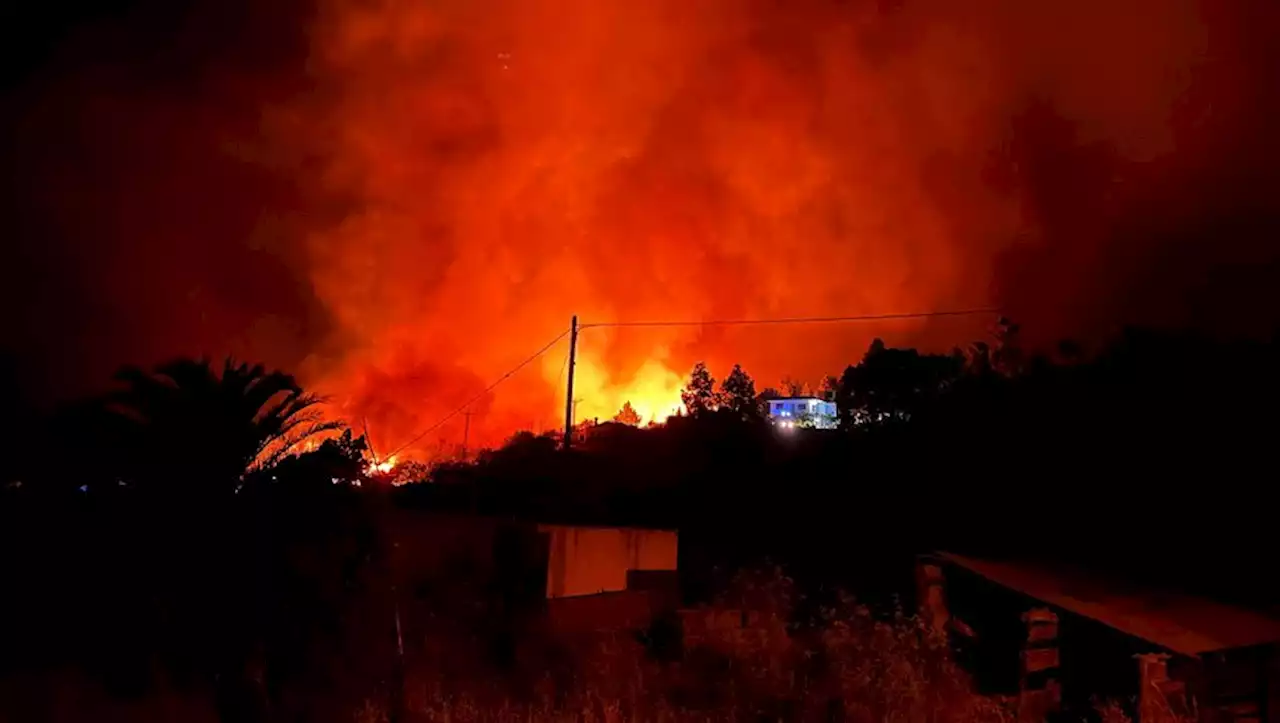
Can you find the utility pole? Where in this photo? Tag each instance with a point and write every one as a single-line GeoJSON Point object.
{"type": "Point", "coordinates": [466, 434]}
{"type": "Point", "coordinates": [568, 397]}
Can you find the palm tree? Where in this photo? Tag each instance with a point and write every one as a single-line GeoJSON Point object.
{"type": "Point", "coordinates": [213, 427]}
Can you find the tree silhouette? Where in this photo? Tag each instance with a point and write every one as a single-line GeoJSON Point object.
{"type": "Point", "coordinates": [830, 387]}
{"type": "Point", "coordinates": [699, 394]}
{"type": "Point", "coordinates": [978, 360]}
{"type": "Point", "coordinates": [738, 393]}
{"type": "Point", "coordinates": [1069, 351]}
{"type": "Point", "coordinates": [890, 384]}
{"type": "Point", "coordinates": [792, 387]}
{"type": "Point", "coordinates": [762, 400]}
{"type": "Point", "coordinates": [1008, 357]}
{"type": "Point", "coordinates": [212, 426]}
{"type": "Point", "coordinates": [340, 458]}
{"type": "Point", "coordinates": [627, 415]}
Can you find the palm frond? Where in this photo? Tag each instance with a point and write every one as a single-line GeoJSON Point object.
{"type": "Point", "coordinates": [232, 416]}
{"type": "Point", "coordinates": [282, 447]}
{"type": "Point", "coordinates": [289, 406]}
{"type": "Point", "coordinates": [257, 386]}
{"type": "Point", "coordinates": [186, 374]}
{"type": "Point", "coordinates": [308, 417]}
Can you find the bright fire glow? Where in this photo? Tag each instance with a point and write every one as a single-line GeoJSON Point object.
{"type": "Point", "coordinates": [653, 390]}
{"type": "Point", "coordinates": [533, 165]}
{"type": "Point", "coordinates": [383, 467]}
{"type": "Point", "coordinates": [462, 176]}
{"type": "Point", "coordinates": [505, 165]}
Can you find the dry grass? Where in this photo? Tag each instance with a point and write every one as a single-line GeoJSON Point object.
{"type": "Point", "coordinates": [847, 665]}
{"type": "Point", "coordinates": [844, 665]}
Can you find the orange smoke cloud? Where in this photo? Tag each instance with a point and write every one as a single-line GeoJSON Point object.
{"type": "Point", "coordinates": [402, 200]}
{"type": "Point", "coordinates": [513, 162]}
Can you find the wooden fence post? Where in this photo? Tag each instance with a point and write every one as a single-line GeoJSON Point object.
{"type": "Point", "coordinates": [1039, 690]}
{"type": "Point", "coordinates": [931, 598]}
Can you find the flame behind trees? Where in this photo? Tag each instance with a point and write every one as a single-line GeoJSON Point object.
{"type": "Point", "coordinates": [627, 415]}
{"type": "Point", "coordinates": [699, 394]}
{"type": "Point", "coordinates": [738, 393]}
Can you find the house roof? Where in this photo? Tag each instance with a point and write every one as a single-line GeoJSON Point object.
{"type": "Point", "coordinates": [1181, 623]}
{"type": "Point", "coordinates": [797, 399]}
{"type": "Point", "coordinates": [552, 526]}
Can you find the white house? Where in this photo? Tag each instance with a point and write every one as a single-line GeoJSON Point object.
{"type": "Point", "coordinates": [801, 411]}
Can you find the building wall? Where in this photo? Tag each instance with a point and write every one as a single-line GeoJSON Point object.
{"type": "Point", "coordinates": [590, 560]}
{"type": "Point", "coordinates": [606, 612]}
{"type": "Point", "coordinates": [823, 413]}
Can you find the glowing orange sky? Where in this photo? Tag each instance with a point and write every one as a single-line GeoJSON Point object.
{"type": "Point", "coordinates": [400, 200]}
{"type": "Point", "coordinates": [520, 161]}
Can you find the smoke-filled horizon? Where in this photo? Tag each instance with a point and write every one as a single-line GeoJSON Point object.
{"type": "Point", "coordinates": [400, 200]}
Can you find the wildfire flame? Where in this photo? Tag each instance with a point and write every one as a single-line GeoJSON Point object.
{"type": "Point", "coordinates": [653, 390]}
{"type": "Point", "coordinates": [464, 176]}
{"type": "Point", "coordinates": [507, 167]}
{"type": "Point", "coordinates": [383, 467]}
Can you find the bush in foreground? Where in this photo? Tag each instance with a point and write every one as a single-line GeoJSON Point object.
{"type": "Point", "coordinates": [747, 657]}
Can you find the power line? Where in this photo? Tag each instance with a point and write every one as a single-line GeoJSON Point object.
{"type": "Point", "coordinates": [487, 389]}
{"type": "Point", "coordinates": [675, 323]}
{"type": "Point", "coordinates": [792, 320]}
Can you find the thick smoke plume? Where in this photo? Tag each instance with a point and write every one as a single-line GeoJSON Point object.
{"type": "Point", "coordinates": [421, 194]}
